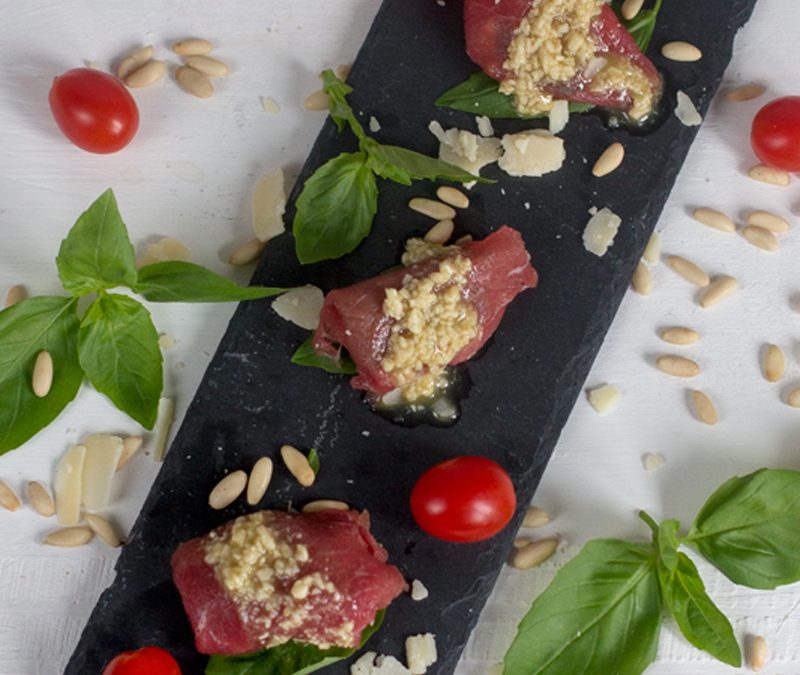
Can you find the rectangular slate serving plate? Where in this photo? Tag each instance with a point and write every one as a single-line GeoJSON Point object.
{"type": "Point", "coordinates": [524, 384]}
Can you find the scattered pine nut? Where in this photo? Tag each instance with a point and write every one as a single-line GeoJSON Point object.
{"type": "Point", "coordinates": [316, 101]}
{"type": "Point", "coordinates": [194, 82]}
{"type": "Point", "coordinates": [192, 47]}
{"type": "Point", "coordinates": [746, 92]}
{"type": "Point", "coordinates": [604, 399]}
{"type": "Point", "coordinates": [718, 290]}
{"type": "Point", "coordinates": [677, 366]}
{"type": "Point", "coordinates": [679, 50]}
{"type": "Point", "coordinates": [652, 252]}
{"type": "Point", "coordinates": [713, 218]}
{"type": "Point", "coordinates": [164, 420]}
{"type": "Point", "coordinates": [69, 536]}
{"type": "Point", "coordinates": [258, 482]}
{"type": "Point", "coordinates": [441, 232]}
{"type": "Point", "coordinates": [642, 280]}
{"type": "Point", "coordinates": [793, 398]}
{"type": "Point", "coordinates": [150, 73]}
{"type": "Point", "coordinates": [704, 408]}
{"type": "Point", "coordinates": [130, 446]}
{"type": "Point", "coordinates": [609, 160]}
{"type": "Point", "coordinates": [298, 465]}
{"type": "Point", "coordinates": [325, 505]}
{"type": "Point", "coordinates": [246, 253]}
{"type": "Point", "coordinates": [630, 8]}
{"type": "Point", "coordinates": [679, 335]}
{"type": "Point", "coordinates": [652, 461]}
{"type": "Point", "coordinates": [103, 529]}
{"type": "Point", "coordinates": [453, 196]}
{"type": "Point", "coordinates": [207, 65]}
{"type": "Point", "coordinates": [774, 363]}
{"type": "Point", "coordinates": [8, 498]}
{"type": "Point", "coordinates": [688, 270]}
{"type": "Point", "coordinates": [42, 378]}
{"type": "Point", "coordinates": [15, 294]}
{"type": "Point", "coordinates": [758, 653]}
{"type": "Point", "coordinates": [533, 554]}
{"type": "Point", "coordinates": [432, 208]}
{"type": "Point", "coordinates": [464, 240]}
{"type": "Point", "coordinates": [133, 61]}
{"type": "Point", "coordinates": [535, 517]}
{"type": "Point", "coordinates": [342, 71]}
{"type": "Point", "coordinates": [227, 490]}
{"type": "Point", "coordinates": [418, 590]}
{"type": "Point", "coordinates": [521, 542]}
{"type": "Point", "coordinates": [766, 174]}
{"type": "Point", "coordinates": [769, 221]}
{"type": "Point", "coordinates": [761, 237]}
{"type": "Point", "coordinates": [40, 499]}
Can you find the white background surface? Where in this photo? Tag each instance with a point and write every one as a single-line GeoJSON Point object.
{"type": "Point", "coordinates": [189, 174]}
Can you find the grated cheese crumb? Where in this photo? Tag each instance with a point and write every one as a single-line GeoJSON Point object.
{"type": "Point", "coordinates": [420, 653]}
{"type": "Point", "coordinates": [485, 127]}
{"type": "Point", "coordinates": [418, 590]}
{"type": "Point", "coordinates": [374, 125]}
{"type": "Point", "coordinates": [374, 664]}
{"type": "Point", "coordinates": [686, 111]}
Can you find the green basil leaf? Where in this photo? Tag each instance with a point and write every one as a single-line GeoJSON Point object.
{"type": "Point", "coordinates": [700, 620]}
{"type": "Point", "coordinates": [313, 460]}
{"type": "Point", "coordinates": [601, 614]}
{"type": "Point", "coordinates": [291, 658]}
{"type": "Point", "coordinates": [335, 208]}
{"type": "Point", "coordinates": [306, 356]}
{"type": "Point", "coordinates": [40, 323]}
{"type": "Point", "coordinates": [667, 543]}
{"type": "Point", "coordinates": [750, 527]}
{"type": "Point", "coordinates": [642, 26]}
{"type": "Point", "coordinates": [119, 352]}
{"type": "Point", "coordinates": [179, 281]}
{"type": "Point", "coordinates": [340, 109]}
{"type": "Point", "coordinates": [97, 252]}
{"type": "Point", "coordinates": [402, 165]}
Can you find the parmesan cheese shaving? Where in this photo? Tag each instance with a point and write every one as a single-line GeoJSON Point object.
{"type": "Point", "coordinates": [465, 150]}
{"type": "Point", "coordinates": [301, 306]}
{"type": "Point", "coordinates": [67, 485]}
{"type": "Point", "coordinates": [686, 111]}
{"type": "Point", "coordinates": [600, 231]}
{"type": "Point", "coordinates": [558, 116]}
{"type": "Point", "coordinates": [269, 205]}
{"type": "Point", "coordinates": [531, 153]}
{"type": "Point", "coordinates": [99, 466]}
{"type": "Point", "coordinates": [164, 419]}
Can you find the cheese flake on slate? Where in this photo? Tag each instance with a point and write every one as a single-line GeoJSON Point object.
{"type": "Point", "coordinates": [67, 485]}
{"type": "Point", "coordinates": [600, 231]}
{"type": "Point", "coordinates": [420, 653]}
{"type": "Point", "coordinates": [373, 664]}
{"type": "Point", "coordinates": [485, 127]}
{"type": "Point", "coordinates": [99, 467]}
{"type": "Point", "coordinates": [269, 204]}
{"type": "Point", "coordinates": [301, 306]}
{"type": "Point", "coordinates": [464, 149]}
{"type": "Point", "coordinates": [558, 117]}
{"type": "Point", "coordinates": [604, 399]}
{"type": "Point", "coordinates": [418, 590]}
{"type": "Point", "coordinates": [686, 111]}
{"type": "Point", "coordinates": [531, 153]}
{"type": "Point", "coordinates": [374, 125]}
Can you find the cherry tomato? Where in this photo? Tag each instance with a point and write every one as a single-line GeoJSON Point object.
{"type": "Point", "coordinates": [464, 499]}
{"type": "Point", "coordinates": [94, 110]}
{"type": "Point", "coordinates": [144, 661]}
{"type": "Point", "coordinates": [775, 134]}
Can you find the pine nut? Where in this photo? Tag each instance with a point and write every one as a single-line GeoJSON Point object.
{"type": "Point", "coordinates": [316, 101]}
{"type": "Point", "coordinates": [761, 238]}
{"type": "Point", "coordinates": [246, 253]}
{"type": "Point", "coordinates": [653, 461]}
{"type": "Point", "coordinates": [150, 73]}
{"type": "Point", "coordinates": [521, 542]}
{"type": "Point", "coordinates": [746, 92]}
{"type": "Point", "coordinates": [630, 8]}
{"type": "Point", "coordinates": [774, 363]}
{"type": "Point", "coordinates": [642, 280]}
{"type": "Point", "coordinates": [42, 378]}
{"type": "Point", "coordinates": [257, 484]}
{"type": "Point", "coordinates": [605, 398]}
{"type": "Point", "coordinates": [766, 174]}
{"type": "Point", "coordinates": [227, 490]}
{"type": "Point", "coordinates": [769, 221]}
{"type": "Point", "coordinates": [652, 252]}
{"type": "Point", "coordinates": [133, 61]}
{"type": "Point", "coordinates": [441, 232]}
{"type": "Point", "coordinates": [103, 529]}
{"type": "Point", "coordinates": [453, 196]}
{"type": "Point", "coordinates": [192, 47]}
{"type": "Point", "coordinates": [15, 294]}
{"type": "Point", "coordinates": [713, 218]}
{"type": "Point", "coordinates": [130, 446]}
{"type": "Point", "coordinates": [680, 335]}
{"type": "Point", "coordinates": [40, 499]}
{"type": "Point", "coordinates": [298, 465]}
{"type": "Point", "coordinates": [342, 70]}
{"type": "Point", "coordinates": [464, 240]}
{"type": "Point", "coordinates": [194, 82]}
{"type": "Point", "coordinates": [793, 398]}
{"type": "Point", "coordinates": [432, 208]}
{"type": "Point", "coordinates": [719, 289]}
{"type": "Point", "coordinates": [678, 366]}
{"type": "Point", "coordinates": [704, 408]}
{"type": "Point", "coordinates": [535, 517]}
{"type": "Point", "coordinates": [8, 498]}
{"type": "Point", "coordinates": [688, 270]}
{"type": "Point", "coordinates": [207, 65]}
{"type": "Point", "coordinates": [609, 160]}
{"type": "Point", "coordinates": [533, 554]}
{"type": "Point", "coordinates": [325, 505]}
{"type": "Point", "coordinates": [758, 653]}
{"type": "Point", "coordinates": [679, 50]}
{"type": "Point", "coordinates": [69, 536]}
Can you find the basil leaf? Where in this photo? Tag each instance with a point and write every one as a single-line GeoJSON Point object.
{"type": "Point", "coordinates": [306, 356]}
{"type": "Point", "coordinates": [119, 353]}
{"type": "Point", "coordinates": [97, 253]}
{"type": "Point", "coordinates": [179, 281]}
{"type": "Point", "coordinates": [667, 542]}
{"type": "Point", "coordinates": [402, 165]}
{"type": "Point", "coordinates": [601, 614]}
{"type": "Point", "coordinates": [700, 620]}
{"type": "Point", "coordinates": [313, 460]}
{"type": "Point", "coordinates": [749, 529]}
{"type": "Point", "coordinates": [335, 209]}
{"type": "Point", "coordinates": [291, 658]}
{"type": "Point", "coordinates": [40, 323]}
{"type": "Point", "coordinates": [340, 109]}
{"type": "Point", "coordinates": [642, 26]}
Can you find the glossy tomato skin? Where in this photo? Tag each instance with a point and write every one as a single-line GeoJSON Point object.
{"type": "Point", "coordinates": [144, 661]}
{"type": "Point", "coordinates": [464, 499]}
{"type": "Point", "coordinates": [94, 110]}
{"type": "Point", "coordinates": [775, 134]}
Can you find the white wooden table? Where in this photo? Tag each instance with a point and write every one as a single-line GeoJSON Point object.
{"type": "Point", "coordinates": [189, 174]}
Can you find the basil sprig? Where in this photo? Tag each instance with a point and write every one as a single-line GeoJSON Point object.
{"type": "Point", "coordinates": [602, 612]}
{"type": "Point", "coordinates": [338, 203]}
{"type": "Point", "coordinates": [113, 343]}
{"type": "Point", "coordinates": [479, 94]}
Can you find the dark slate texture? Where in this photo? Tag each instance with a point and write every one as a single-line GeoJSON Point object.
{"type": "Point", "coordinates": [524, 384]}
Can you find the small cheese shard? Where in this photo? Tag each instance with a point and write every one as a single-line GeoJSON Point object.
{"type": "Point", "coordinates": [418, 590]}
{"type": "Point", "coordinates": [600, 231]}
{"type": "Point", "coordinates": [485, 127]}
{"type": "Point", "coordinates": [269, 205]}
{"type": "Point", "coordinates": [164, 419]}
{"type": "Point", "coordinates": [373, 664]}
{"type": "Point", "coordinates": [99, 466]}
{"type": "Point", "coordinates": [532, 153]}
{"type": "Point", "coordinates": [420, 653]}
{"type": "Point", "coordinates": [558, 117]}
{"type": "Point", "coordinates": [301, 306]}
{"type": "Point", "coordinates": [67, 485]}
{"type": "Point", "coordinates": [163, 250]}
{"type": "Point", "coordinates": [465, 150]}
{"type": "Point", "coordinates": [604, 399]}
{"type": "Point", "coordinates": [374, 125]}
{"type": "Point", "coordinates": [686, 112]}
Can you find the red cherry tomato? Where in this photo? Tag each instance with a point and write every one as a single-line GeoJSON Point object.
{"type": "Point", "coordinates": [144, 661]}
{"type": "Point", "coordinates": [775, 135]}
{"type": "Point", "coordinates": [94, 110]}
{"type": "Point", "coordinates": [464, 499]}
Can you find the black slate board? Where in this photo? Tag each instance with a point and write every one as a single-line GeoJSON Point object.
{"type": "Point", "coordinates": [524, 384]}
